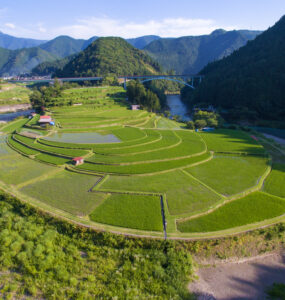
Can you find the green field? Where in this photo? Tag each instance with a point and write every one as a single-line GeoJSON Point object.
{"type": "Point", "coordinates": [229, 174]}
{"type": "Point", "coordinates": [227, 140]}
{"type": "Point", "coordinates": [139, 157]}
{"type": "Point", "coordinates": [133, 211]}
{"type": "Point", "coordinates": [275, 183]}
{"type": "Point", "coordinates": [67, 191]}
{"type": "Point", "coordinates": [14, 94]}
{"type": "Point", "coordinates": [251, 209]}
{"type": "Point", "coordinates": [183, 193]}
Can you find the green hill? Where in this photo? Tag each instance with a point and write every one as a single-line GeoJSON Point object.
{"type": "Point", "coordinates": [14, 62]}
{"type": "Point", "coordinates": [250, 83]}
{"type": "Point", "coordinates": [63, 46]}
{"type": "Point", "coordinates": [190, 54]}
{"type": "Point", "coordinates": [110, 55]}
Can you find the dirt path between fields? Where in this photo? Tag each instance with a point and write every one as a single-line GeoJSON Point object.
{"type": "Point", "coordinates": [244, 280]}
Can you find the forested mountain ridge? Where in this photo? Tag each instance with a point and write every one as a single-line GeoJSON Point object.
{"type": "Point", "coordinates": [190, 54]}
{"type": "Point", "coordinates": [110, 55]}
{"type": "Point", "coordinates": [250, 83]}
{"type": "Point", "coordinates": [63, 46]}
{"type": "Point", "coordinates": [14, 62]}
{"type": "Point", "coordinates": [12, 43]}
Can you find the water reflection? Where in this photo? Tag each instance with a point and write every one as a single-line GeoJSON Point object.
{"type": "Point", "coordinates": [177, 107]}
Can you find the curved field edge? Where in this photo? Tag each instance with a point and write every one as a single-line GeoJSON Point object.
{"type": "Point", "coordinates": [252, 208]}
{"type": "Point", "coordinates": [81, 221]}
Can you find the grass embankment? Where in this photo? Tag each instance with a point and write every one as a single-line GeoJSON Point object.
{"type": "Point", "coordinates": [252, 208]}
{"type": "Point", "coordinates": [131, 211]}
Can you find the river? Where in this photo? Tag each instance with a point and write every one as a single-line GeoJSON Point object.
{"type": "Point", "coordinates": [11, 116]}
{"type": "Point", "coordinates": [177, 107]}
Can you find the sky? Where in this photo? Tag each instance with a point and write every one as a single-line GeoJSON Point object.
{"type": "Point", "coordinates": [46, 19]}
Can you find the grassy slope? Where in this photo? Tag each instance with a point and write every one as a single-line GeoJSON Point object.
{"type": "Point", "coordinates": [132, 211]}
{"type": "Point", "coordinates": [250, 209]}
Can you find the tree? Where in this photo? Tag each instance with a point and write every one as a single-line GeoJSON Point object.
{"type": "Point", "coordinates": [190, 125]}
{"type": "Point", "coordinates": [199, 124]}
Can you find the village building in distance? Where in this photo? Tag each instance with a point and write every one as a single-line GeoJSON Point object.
{"type": "Point", "coordinates": [78, 161]}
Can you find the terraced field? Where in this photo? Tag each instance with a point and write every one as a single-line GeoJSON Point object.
{"type": "Point", "coordinates": [142, 173]}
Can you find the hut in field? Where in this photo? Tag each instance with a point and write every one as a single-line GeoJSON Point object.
{"type": "Point", "coordinates": [45, 120]}
{"type": "Point", "coordinates": [135, 107]}
{"type": "Point", "coordinates": [78, 161]}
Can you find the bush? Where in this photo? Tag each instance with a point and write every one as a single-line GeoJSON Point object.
{"type": "Point", "coordinates": [199, 124]}
{"type": "Point", "coordinates": [190, 125]}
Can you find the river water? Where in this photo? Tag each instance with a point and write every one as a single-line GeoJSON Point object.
{"type": "Point", "coordinates": [177, 107]}
{"type": "Point", "coordinates": [10, 116]}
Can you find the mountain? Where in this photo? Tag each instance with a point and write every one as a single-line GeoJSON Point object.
{"type": "Point", "coordinates": [110, 55]}
{"type": "Point", "coordinates": [250, 83]}
{"type": "Point", "coordinates": [142, 41]}
{"type": "Point", "coordinates": [14, 62]}
{"type": "Point", "coordinates": [188, 55]}
{"type": "Point", "coordinates": [50, 67]}
{"type": "Point", "coordinates": [63, 46]}
{"type": "Point", "coordinates": [13, 43]}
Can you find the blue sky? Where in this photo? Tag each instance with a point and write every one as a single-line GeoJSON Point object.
{"type": "Point", "coordinates": [46, 19]}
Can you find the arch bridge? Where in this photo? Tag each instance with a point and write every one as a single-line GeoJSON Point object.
{"type": "Point", "coordinates": [189, 80]}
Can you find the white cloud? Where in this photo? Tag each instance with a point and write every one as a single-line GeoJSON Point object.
{"type": "Point", "coordinates": [171, 27]}
{"type": "Point", "coordinates": [10, 25]}
{"type": "Point", "coordinates": [105, 26]}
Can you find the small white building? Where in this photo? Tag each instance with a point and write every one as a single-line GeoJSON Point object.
{"type": "Point", "coordinates": [135, 107]}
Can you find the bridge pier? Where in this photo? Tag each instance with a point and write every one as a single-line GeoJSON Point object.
{"type": "Point", "coordinates": [125, 83]}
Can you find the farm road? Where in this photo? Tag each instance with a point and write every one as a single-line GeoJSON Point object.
{"type": "Point", "coordinates": [240, 281]}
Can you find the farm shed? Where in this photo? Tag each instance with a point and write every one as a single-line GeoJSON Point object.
{"type": "Point", "coordinates": [78, 160]}
{"type": "Point", "coordinates": [45, 119]}
{"type": "Point", "coordinates": [135, 107]}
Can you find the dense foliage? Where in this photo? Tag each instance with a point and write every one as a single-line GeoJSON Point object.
{"type": "Point", "coordinates": [46, 96]}
{"type": "Point", "coordinates": [50, 67]}
{"type": "Point", "coordinates": [110, 55]}
{"type": "Point", "coordinates": [203, 119]}
{"type": "Point", "coordinates": [188, 55]}
{"type": "Point", "coordinates": [138, 94]}
{"type": "Point", "coordinates": [250, 83]}
{"type": "Point", "coordinates": [46, 258]}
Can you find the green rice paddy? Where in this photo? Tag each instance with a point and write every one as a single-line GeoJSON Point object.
{"type": "Point", "coordinates": [122, 180]}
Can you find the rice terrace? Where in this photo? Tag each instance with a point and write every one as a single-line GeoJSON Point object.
{"type": "Point", "coordinates": [135, 172]}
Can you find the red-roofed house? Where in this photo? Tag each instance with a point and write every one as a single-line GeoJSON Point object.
{"type": "Point", "coordinates": [45, 119]}
{"type": "Point", "coordinates": [78, 160]}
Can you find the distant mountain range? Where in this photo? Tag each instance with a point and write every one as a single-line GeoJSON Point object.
{"type": "Point", "coordinates": [189, 54]}
{"type": "Point", "coordinates": [250, 83]}
{"type": "Point", "coordinates": [184, 55]}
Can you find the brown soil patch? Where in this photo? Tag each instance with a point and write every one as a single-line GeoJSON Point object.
{"type": "Point", "coordinates": [246, 279]}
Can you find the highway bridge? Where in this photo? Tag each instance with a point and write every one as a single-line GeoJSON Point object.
{"type": "Point", "coordinates": [186, 79]}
